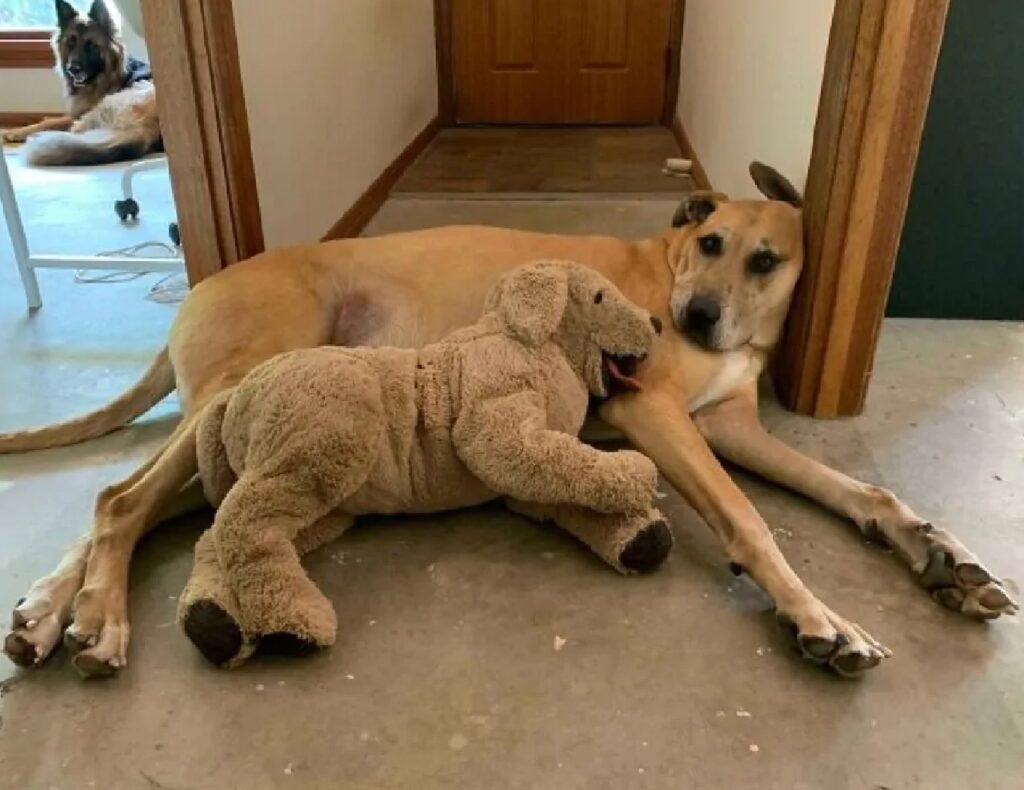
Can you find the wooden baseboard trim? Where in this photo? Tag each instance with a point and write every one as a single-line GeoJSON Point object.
{"type": "Point", "coordinates": [700, 176]}
{"type": "Point", "coordinates": [12, 120]}
{"type": "Point", "coordinates": [363, 210]}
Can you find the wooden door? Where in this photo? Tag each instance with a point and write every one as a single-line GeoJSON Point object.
{"type": "Point", "coordinates": [560, 61]}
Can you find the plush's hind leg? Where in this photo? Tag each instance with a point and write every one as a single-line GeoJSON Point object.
{"type": "Point", "coordinates": [629, 543]}
{"type": "Point", "coordinates": [254, 532]}
{"type": "Point", "coordinates": [208, 610]}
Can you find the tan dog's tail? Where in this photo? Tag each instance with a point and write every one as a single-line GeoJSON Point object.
{"type": "Point", "coordinates": [93, 147]}
{"type": "Point", "coordinates": [156, 384]}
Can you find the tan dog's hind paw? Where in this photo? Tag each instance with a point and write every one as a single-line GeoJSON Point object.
{"type": "Point", "coordinates": [32, 639]}
{"type": "Point", "coordinates": [958, 580]}
{"type": "Point", "coordinates": [822, 636]}
{"type": "Point", "coordinates": [38, 620]}
{"type": "Point", "coordinates": [99, 633]}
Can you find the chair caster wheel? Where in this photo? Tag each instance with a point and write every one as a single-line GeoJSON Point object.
{"type": "Point", "coordinates": [174, 233]}
{"type": "Point", "coordinates": [126, 209]}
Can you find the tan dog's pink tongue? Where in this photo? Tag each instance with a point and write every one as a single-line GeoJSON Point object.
{"type": "Point", "coordinates": [626, 381]}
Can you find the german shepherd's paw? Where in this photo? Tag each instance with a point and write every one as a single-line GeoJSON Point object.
{"type": "Point", "coordinates": [14, 136]}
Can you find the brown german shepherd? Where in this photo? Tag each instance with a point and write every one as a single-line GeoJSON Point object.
{"type": "Point", "coordinates": [109, 95]}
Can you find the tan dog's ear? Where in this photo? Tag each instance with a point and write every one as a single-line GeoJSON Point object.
{"type": "Point", "coordinates": [531, 301]}
{"type": "Point", "coordinates": [774, 185]}
{"type": "Point", "coordinates": [697, 207]}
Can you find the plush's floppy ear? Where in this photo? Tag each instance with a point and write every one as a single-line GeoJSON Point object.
{"type": "Point", "coordinates": [697, 207]}
{"type": "Point", "coordinates": [774, 185]}
{"type": "Point", "coordinates": [531, 301]}
{"type": "Point", "coordinates": [66, 14]}
{"type": "Point", "coordinates": [100, 14]}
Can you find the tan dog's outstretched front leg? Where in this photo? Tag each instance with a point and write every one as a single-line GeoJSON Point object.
{"type": "Point", "coordinates": [943, 565]}
{"type": "Point", "coordinates": [504, 442]}
{"type": "Point", "coordinates": [60, 123]}
{"type": "Point", "coordinates": [637, 543]}
{"type": "Point", "coordinates": [657, 422]}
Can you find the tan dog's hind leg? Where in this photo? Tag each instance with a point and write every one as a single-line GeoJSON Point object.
{"type": "Point", "coordinates": [657, 422]}
{"type": "Point", "coordinates": [943, 565]}
{"type": "Point", "coordinates": [123, 514]}
{"type": "Point", "coordinates": [629, 543]}
{"type": "Point", "coordinates": [39, 618]}
{"type": "Point", "coordinates": [61, 123]}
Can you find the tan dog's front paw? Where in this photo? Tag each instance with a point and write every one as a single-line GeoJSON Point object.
{"type": "Point", "coordinates": [14, 136]}
{"type": "Point", "coordinates": [825, 638]}
{"type": "Point", "coordinates": [98, 635]}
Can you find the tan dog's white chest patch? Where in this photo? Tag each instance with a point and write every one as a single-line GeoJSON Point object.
{"type": "Point", "coordinates": [735, 368]}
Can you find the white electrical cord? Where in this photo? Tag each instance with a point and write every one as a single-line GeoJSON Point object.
{"type": "Point", "coordinates": [169, 289]}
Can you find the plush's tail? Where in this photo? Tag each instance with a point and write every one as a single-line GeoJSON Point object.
{"type": "Point", "coordinates": [93, 147]}
{"type": "Point", "coordinates": [214, 468]}
{"type": "Point", "coordinates": [156, 383]}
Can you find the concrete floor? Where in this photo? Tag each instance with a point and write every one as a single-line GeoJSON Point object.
{"type": "Point", "coordinates": [446, 673]}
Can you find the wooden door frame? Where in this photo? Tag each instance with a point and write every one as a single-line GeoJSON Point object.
{"type": "Point", "coordinates": [205, 126]}
{"type": "Point", "coordinates": [446, 74]}
{"type": "Point", "coordinates": [877, 84]}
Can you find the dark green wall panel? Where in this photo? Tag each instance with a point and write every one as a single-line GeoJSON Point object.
{"type": "Point", "coordinates": [962, 253]}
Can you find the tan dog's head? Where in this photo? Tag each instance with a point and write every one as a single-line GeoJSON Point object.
{"type": "Point", "coordinates": [735, 264]}
{"type": "Point", "coordinates": [603, 335]}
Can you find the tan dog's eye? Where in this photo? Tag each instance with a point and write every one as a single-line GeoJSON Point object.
{"type": "Point", "coordinates": [598, 297]}
{"type": "Point", "coordinates": [762, 262]}
{"type": "Point", "coordinates": [710, 245]}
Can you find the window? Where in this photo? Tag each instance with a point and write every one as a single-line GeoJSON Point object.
{"type": "Point", "coordinates": [25, 30]}
{"type": "Point", "coordinates": [22, 14]}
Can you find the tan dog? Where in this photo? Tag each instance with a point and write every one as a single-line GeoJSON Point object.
{"type": "Point", "coordinates": [699, 397]}
{"type": "Point", "coordinates": [494, 409]}
{"type": "Point", "coordinates": [108, 94]}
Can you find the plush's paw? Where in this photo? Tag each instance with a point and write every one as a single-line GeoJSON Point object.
{"type": "Point", "coordinates": [215, 633]}
{"type": "Point", "coordinates": [638, 484]}
{"type": "Point", "coordinates": [648, 549]}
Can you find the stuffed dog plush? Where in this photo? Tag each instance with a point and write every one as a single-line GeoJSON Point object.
{"type": "Point", "coordinates": [312, 439]}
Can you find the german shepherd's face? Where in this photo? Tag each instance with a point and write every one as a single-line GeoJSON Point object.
{"type": "Point", "coordinates": [736, 263]}
{"type": "Point", "coordinates": [85, 43]}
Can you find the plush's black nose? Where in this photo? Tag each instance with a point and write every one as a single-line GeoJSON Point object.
{"type": "Point", "coordinates": [656, 323]}
{"type": "Point", "coordinates": [702, 312]}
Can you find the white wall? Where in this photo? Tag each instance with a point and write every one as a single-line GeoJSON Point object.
{"type": "Point", "coordinates": [335, 89]}
{"type": "Point", "coordinates": [749, 82]}
{"type": "Point", "coordinates": [38, 90]}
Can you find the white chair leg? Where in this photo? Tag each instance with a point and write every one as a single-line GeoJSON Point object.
{"type": "Point", "coordinates": [137, 167]}
{"type": "Point", "coordinates": [18, 240]}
